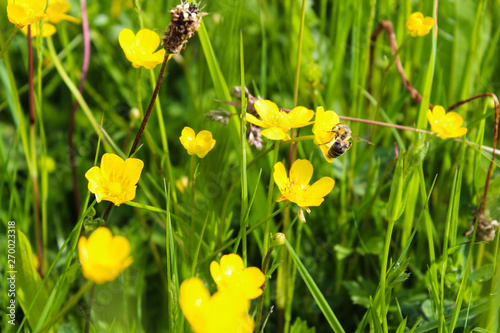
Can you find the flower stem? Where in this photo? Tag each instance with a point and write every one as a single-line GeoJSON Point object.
{"type": "Point", "coordinates": [150, 106]}
{"type": "Point", "coordinates": [71, 303]}
{"type": "Point", "coordinates": [7, 43]}
{"type": "Point", "coordinates": [192, 181]}
{"type": "Point", "coordinates": [270, 194]}
{"type": "Point", "coordinates": [260, 305]}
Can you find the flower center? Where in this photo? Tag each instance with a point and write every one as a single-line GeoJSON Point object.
{"type": "Point", "coordinates": [115, 189]}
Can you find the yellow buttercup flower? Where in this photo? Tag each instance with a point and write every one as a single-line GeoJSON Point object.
{"type": "Point", "coordinates": [322, 129]}
{"type": "Point", "coordinates": [25, 12]}
{"type": "Point", "coordinates": [47, 29]}
{"type": "Point", "coordinates": [296, 188]}
{"type": "Point", "coordinates": [418, 25]}
{"type": "Point", "coordinates": [199, 144]}
{"type": "Point", "coordinates": [222, 312]}
{"type": "Point", "coordinates": [116, 179]}
{"type": "Point", "coordinates": [103, 257]}
{"type": "Point", "coordinates": [231, 275]}
{"type": "Point", "coordinates": [446, 125]}
{"type": "Point", "coordinates": [276, 122]}
{"type": "Point", "coordinates": [56, 12]}
{"type": "Point", "coordinates": [140, 49]}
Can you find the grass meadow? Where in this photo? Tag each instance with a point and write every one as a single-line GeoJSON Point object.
{"type": "Point", "coordinates": [405, 241]}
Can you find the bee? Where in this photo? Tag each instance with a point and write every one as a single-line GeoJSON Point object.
{"type": "Point", "coordinates": [340, 143]}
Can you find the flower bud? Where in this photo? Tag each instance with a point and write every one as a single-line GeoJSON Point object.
{"type": "Point", "coordinates": [278, 239]}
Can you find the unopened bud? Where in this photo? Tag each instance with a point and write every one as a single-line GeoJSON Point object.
{"type": "Point", "coordinates": [278, 239]}
{"type": "Point", "coordinates": [134, 114]}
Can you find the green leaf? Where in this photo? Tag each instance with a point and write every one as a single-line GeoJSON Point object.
{"type": "Point", "coordinates": [300, 326]}
{"type": "Point", "coordinates": [482, 274]}
{"type": "Point", "coordinates": [28, 280]}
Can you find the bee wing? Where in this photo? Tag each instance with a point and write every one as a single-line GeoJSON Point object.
{"type": "Point", "coordinates": [356, 138]}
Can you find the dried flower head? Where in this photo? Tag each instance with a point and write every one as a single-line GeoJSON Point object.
{"type": "Point", "coordinates": [254, 137]}
{"type": "Point", "coordinates": [186, 19]}
{"type": "Point", "coordinates": [219, 115]}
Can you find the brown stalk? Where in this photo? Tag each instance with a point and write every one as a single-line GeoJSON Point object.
{"type": "Point", "coordinates": [389, 29]}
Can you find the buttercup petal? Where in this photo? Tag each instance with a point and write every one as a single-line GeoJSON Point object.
{"type": "Point", "coordinates": [126, 38]}
{"type": "Point", "coordinates": [453, 120]}
{"type": "Point", "coordinates": [300, 116]}
{"type": "Point", "coordinates": [266, 109]}
{"type": "Point", "coordinates": [231, 263]}
{"type": "Point", "coordinates": [280, 176]}
{"type": "Point", "coordinates": [216, 272]}
{"type": "Point", "coordinates": [251, 281]}
{"type": "Point", "coordinates": [251, 119]}
{"type": "Point", "coordinates": [275, 133]}
{"type": "Point", "coordinates": [301, 172]}
{"type": "Point", "coordinates": [132, 168]}
{"type": "Point", "coordinates": [322, 187]}
{"type": "Point", "coordinates": [110, 164]}
{"type": "Point", "coordinates": [439, 112]}
{"type": "Point", "coordinates": [149, 40]}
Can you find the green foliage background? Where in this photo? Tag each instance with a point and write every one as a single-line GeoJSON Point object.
{"type": "Point", "coordinates": [342, 243]}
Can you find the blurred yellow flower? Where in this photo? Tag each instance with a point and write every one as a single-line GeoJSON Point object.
{"type": "Point", "coordinates": [296, 188]}
{"type": "Point", "coordinates": [231, 275]}
{"type": "Point", "coordinates": [446, 125]}
{"type": "Point", "coordinates": [322, 129]}
{"type": "Point", "coordinates": [199, 144]}
{"type": "Point", "coordinates": [418, 25]}
{"type": "Point", "coordinates": [25, 12]}
{"type": "Point", "coordinates": [103, 257]}
{"type": "Point", "coordinates": [139, 49]}
{"type": "Point", "coordinates": [116, 179]}
{"type": "Point", "coordinates": [56, 12]}
{"type": "Point", "coordinates": [47, 29]}
{"type": "Point", "coordinates": [222, 312]}
{"type": "Point", "coordinates": [276, 122]}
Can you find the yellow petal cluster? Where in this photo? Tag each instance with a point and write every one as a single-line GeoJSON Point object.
{"type": "Point", "coordinates": [296, 188]}
{"type": "Point", "coordinates": [322, 129]}
{"type": "Point", "coordinates": [25, 12]}
{"type": "Point", "coordinates": [231, 275]}
{"type": "Point", "coordinates": [418, 25]}
{"type": "Point", "coordinates": [276, 122]}
{"type": "Point", "coordinates": [140, 49]}
{"type": "Point", "coordinates": [47, 30]}
{"type": "Point", "coordinates": [199, 144]}
{"type": "Point", "coordinates": [222, 312]}
{"type": "Point", "coordinates": [446, 125]}
{"type": "Point", "coordinates": [56, 12]}
{"type": "Point", "coordinates": [226, 311]}
{"type": "Point", "coordinates": [116, 179]}
{"type": "Point", "coordinates": [103, 256]}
